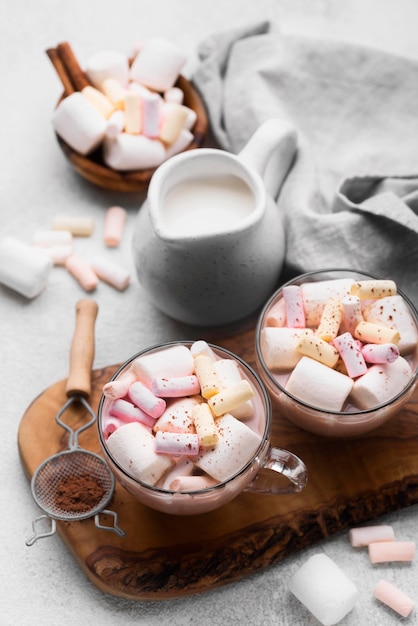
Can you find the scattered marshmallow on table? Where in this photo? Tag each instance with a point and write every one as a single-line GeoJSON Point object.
{"type": "Point", "coordinates": [324, 589]}
{"type": "Point", "coordinates": [363, 535]}
{"type": "Point", "coordinates": [24, 268]}
{"type": "Point", "coordinates": [110, 272]}
{"type": "Point", "coordinates": [114, 225]}
{"type": "Point", "coordinates": [386, 551]}
{"type": "Point", "coordinates": [82, 272]}
{"type": "Point", "coordinates": [79, 226]}
{"type": "Point", "coordinates": [394, 598]}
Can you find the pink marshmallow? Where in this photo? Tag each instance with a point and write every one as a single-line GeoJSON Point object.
{"type": "Point", "coordinates": [293, 302]}
{"type": "Point", "coordinates": [394, 598]}
{"type": "Point", "coordinates": [143, 398]}
{"type": "Point", "coordinates": [114, 224]}
{"type": "Point", "coordinates": [350, 354]}
{"type": "Point", "coordinates": [380, 353]}
{"type": "Point", "coordinates": [127, 412]}
{"type": "Point", "coordinates": [119, 388]}
{"type": "Point", "coordinates": [385, 551]}
{"type": "Point", "coordinates": [175, 387]}
{"type": "Point", "coordinates": [82, 272]}
{"type": "Point", "coordinates": [362, 536]}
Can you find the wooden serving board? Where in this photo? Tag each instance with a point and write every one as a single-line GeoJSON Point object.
{"type": "Point", "coordinates": [351, 482]}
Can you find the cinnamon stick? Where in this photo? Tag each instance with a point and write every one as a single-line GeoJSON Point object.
{"type": "Point", "coordinates": [61, 71]}
{"type": "Point", "coordinates": [69, 60]}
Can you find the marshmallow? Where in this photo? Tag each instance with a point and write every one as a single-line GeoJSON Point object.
{"type": "Point", "coordinates": [132, 152]}
{"type": "Point", "coordinates": [230, 398]}
{"type": "Point", "coordinates": [236, 446]}
{"type": "Point", "coordinates": [133, 121]}
{"type": "Point", "coordinates": [362, 536]}
{"type": "Point", "coordinates": [115, 124]}
{"type": "Point", "coordinates": [394, 313]}
{"type": "Point", "coordinates": [381, 383]}
{"type": "Point", "coordinates": [182, 142]}
{"type": "Point", "coordinates": [394, 598]}
{"type": "Point", "coordinates": [319, 385]}
{"type": "Point", "coordinates": [119, 388]}
{"type": "Point", "coordinates": [58, 254]}
{"type": "Point", "coordinates": [98, 100]}
{"type": "Point", "coordinates": [373, 288]}
{"type": "Point", "coordinates": [351, 310]}
{"type": "Point", "coordinates": [127, 412]}
{"type": "Point", "coordinates": [276, 315]}
{"type": "Point", "coordinates": [182, 468]}
{"type": "Point", "coordinates": [278, 346]}
{"type": "Point", "coordinates": [316, 294]}
{"type": "Point", "coordinates": [205, 425]}
{"type": "Point", "coordinates": [206, 373]}
{"type": "Point", "coordinates": [132, 447]}
{"type": "Point", "coordinates": [23, 268]}
{"type": "Point", "coordinates": [151, 104]}
{"type": "Point", "coordinates": [380, 353]}
{"type": "Point", "coordinates": [316, 348]}
{"type": "Point", "coordinates": [178, 416]}
{"type": "Point", "coordinates": [50, 238]}
{"type": "Point", "coordinates": [79, 123]}
{"type": "Point", "coordinates": [177, 444]}
{"type": "Point", "coordinates": [143, 398]}
{"type": "Point", "coordinates": [82, 272]}
{"type": "Point", "coordinates": [191, 483]}
{"type": "Point", "coordinates": [369, 332]}
{"type": "Point", "coordinates": [105, 65]}
{"type": "Point", "coordinates": [112, 88]}
{"type": "Point", "coordinates": [111, 273]}
{"type": "Point", "coordinates": [329, 324]}
{"type": "Point", "coordinates": [158, 64]}
{"type": "Point", "coordinates": [110, 425]}
{"type": "Point", "coordinates": [202, 347]}
{"type": "Point", "coordinates": [114, 224]}
{"type": "Point", "coordinates": [293, 304]}
{"type": "Point", "coordinates": [79, 226]}
{"type": "Point", "coordinates": [324, 589]}
{"type": "Point", "coordinates": [175, 117]}
{"type": "Point", "coordinates": [350, 354]}
{"type": "Point", "coordinates": [174, 360]}
{"type": "Point", "coordinates": [174, 94]}
{"type": "Point", "coordinates": [385, 551]}
{"type": "Point", "coordinates": [175, 387]}
{"type": "Point", "coordinates": [229, 374]}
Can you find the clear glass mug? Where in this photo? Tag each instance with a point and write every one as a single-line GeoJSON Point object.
{"type": "Point", "coordinates": [262, 473]}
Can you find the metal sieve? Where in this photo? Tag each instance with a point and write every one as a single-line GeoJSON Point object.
{"type": "Point", "coordinates": [75, 484]}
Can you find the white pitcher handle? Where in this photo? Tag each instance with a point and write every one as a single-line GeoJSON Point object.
{"type": "Point", "coordinates": [271, 151]}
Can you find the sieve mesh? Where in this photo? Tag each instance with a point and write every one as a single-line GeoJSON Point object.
{"type": "Point", "coordinates": [72, 485]}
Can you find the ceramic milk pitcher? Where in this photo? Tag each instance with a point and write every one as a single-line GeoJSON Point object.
{"type": "Point", "coordinates": [209, 240]}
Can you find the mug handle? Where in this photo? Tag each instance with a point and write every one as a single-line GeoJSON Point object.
{"type": "Point", "coordinates": [285, 463]}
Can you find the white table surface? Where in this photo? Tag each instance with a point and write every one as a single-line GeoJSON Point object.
{"type": "Point", "coordinates": [42, 584]}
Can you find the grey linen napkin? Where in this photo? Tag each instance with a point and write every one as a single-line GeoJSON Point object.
{"type": "Point", "coordinates": [350, 198]}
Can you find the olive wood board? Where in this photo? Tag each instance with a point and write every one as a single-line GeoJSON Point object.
{"type": "Point", "coordinates": [351, 481]}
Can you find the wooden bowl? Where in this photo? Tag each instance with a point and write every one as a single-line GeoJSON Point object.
{"type": "Point", "coordinates": [93, 168]}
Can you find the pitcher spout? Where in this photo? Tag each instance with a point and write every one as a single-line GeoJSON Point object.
{"type": "Point", "coordinates": [271, 151]}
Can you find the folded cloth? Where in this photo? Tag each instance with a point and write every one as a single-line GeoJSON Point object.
{"type": "Point", "coordinates": [351, 197]}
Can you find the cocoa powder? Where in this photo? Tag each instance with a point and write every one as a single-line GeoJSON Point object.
{"type": "Point", "coordinates": [78, 493]}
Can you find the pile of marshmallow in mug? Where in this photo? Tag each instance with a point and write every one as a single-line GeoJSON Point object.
{"type": "Point", "coordinates": [134, 110]}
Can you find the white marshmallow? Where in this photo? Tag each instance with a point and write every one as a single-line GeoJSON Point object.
{"type": "Point", "coordinates": [316, 294]}
{"type": "Point", "coordinates": [278, 346]}
{"type": "Point", "coordinates": [110, 273]}
{"type": "Point", "coordinates": [107, 64]}
{"type": "Point", "coordinates": [380, 383]}
{"type": "Point", "coordinates": [236, 445]}
{"type": "Point", "coordinates": [24, 268]}
{"type": "Point", "coordinates": [78, 123]}
{"type": "Point", "coordinates": [132, 447]}
{"type": "Point", "coordinates": [158, 64]}
{"type": "Point", "coordinates": [132, 152]}
{"type": "Point", "coordinates": [363, 535]}
{"type": "Point", "coordinates": [115, 124]}
{"type": "Point", "coordinates": [324, 589]}
{"type": "Point", "coordinates": [49, 238]}
{"type": "Point", "coordinates": [176, 360]}
{"type": "Point", "coordinates": [393, 312]}
{"type": "Point", "coordinates": [319, 385]}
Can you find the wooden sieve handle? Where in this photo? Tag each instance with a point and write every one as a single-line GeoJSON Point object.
{"type": "Point", "coordinates": [82, 349]}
